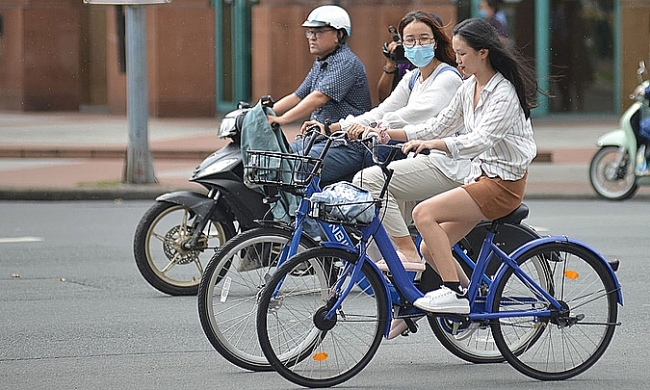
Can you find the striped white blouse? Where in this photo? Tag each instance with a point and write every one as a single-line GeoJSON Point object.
{"type": "Point", "coordinates": [498, 138]}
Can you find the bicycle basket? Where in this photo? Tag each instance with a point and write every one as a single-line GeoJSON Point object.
{"type": "Point", "coordinates": [343, 203]}
{"type": "Point", "coordinates": [287, 171]}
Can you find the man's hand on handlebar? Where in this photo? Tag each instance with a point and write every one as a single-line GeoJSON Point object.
{"type": "Point", "coordinates": [309, 125]}
{"type": "Point", "coordinates": [275, 119]}
{"type": "Point", "coordinates": [640, 91]}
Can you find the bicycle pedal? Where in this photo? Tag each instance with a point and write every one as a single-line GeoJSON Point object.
{"type": "Point", "coordinates": [412, 327]}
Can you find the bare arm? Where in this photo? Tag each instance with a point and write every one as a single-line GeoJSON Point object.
{"type": "Point", "coordinates": [385, 83]}
{"type": "Point", "coordinates": [388, 74]}
{"type": "Point", "coordinates": [286, 103]}
{"type": "Point", "coordinates": [300, 110]}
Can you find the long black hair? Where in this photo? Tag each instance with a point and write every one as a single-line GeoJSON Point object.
{"type": "Point", "coordinates": [444, 50]}
{"type": "Point", "coordinates": [479, 34]}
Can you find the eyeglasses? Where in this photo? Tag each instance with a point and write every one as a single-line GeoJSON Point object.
{"type": "Point", "coordinates": [316, 33]}
{"type": "Point", "coordinates": [410, 42]}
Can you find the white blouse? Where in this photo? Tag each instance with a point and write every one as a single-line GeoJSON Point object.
{"type": "Point", "coordinates": [498, 137]}
{"type": "Point", "coordinates": [405, 106]}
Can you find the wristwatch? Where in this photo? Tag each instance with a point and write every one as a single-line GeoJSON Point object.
{"type": "Point", "coordinates": [385, 71]}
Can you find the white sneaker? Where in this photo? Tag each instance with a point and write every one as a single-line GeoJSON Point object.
{"type": "Point", "coordinates": [443, 300]}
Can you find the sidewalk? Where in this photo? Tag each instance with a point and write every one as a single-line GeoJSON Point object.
{"type": "Point", "coordinates": [74, 156]}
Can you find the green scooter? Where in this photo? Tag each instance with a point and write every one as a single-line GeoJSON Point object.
{"type": "Point", "coordinates": [621, 164]}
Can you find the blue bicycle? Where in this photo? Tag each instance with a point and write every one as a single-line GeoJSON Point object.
{"type": "Point", "coordinates": [551, 306]}
{"type": "Point", "coordinates": [231, 283]}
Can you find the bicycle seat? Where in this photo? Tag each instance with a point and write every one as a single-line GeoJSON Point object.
{"type": "Point", "coordinates": [516, 216]}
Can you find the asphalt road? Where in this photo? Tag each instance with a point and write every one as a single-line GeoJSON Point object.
{"type": "Point", "coordinates": [76, 314]}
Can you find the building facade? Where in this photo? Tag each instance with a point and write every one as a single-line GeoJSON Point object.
{"type": "Point", "coordinates": [206, 55]}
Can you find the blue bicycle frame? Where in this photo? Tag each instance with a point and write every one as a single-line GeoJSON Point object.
{"type": "Point", "coordinates": [478, 306]}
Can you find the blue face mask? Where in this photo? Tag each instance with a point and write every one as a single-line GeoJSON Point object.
{"type": "Point", "coordinates": [420, 56]}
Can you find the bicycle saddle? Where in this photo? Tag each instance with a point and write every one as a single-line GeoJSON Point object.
{"type": "Point", "coordinates": [516, 216]}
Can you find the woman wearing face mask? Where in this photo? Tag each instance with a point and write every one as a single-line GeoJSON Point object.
{"type": "Point", "coordinates": [420, 95]}
{"type": "Point", "coordinates": [419, 178]}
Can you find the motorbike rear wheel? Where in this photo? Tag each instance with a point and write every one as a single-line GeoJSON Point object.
{"type": "Point", "coordinates": [610, 179]}
{"type": "Point", "coordinates": [160, 253]}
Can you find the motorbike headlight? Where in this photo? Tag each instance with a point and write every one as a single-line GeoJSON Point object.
{"type": "Point", "coordinates": [227, 127]}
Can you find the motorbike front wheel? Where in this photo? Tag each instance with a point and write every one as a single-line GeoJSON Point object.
{"type": "Point", "coordinates": [160, 250]}
{"type": "Point", "coordinates": [612, 175]}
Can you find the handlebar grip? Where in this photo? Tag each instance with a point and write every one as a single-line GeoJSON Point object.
{"type": "Point", "coordinates": [328, 123]}
{"type": "Point", "coordinates": [267, 101]}
{"type": "Point", "coordinates": [426, 152]}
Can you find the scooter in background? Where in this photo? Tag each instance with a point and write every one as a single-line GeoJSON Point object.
{"type": "Point", "coordinates": [621, 164]}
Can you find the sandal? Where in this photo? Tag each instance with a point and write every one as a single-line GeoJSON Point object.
{"type": "Point", "coordinates": [409, 266]}
{"type": "Point", "coordinates": [398, 327]}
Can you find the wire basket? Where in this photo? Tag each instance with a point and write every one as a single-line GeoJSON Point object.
{"type": "Point", "coordinates": [283, 170]}
{"type": "Point", "coordinates": [343, 203]}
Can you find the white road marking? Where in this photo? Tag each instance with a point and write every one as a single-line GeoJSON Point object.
{"type": "Point", "coordinates": [13, 240]}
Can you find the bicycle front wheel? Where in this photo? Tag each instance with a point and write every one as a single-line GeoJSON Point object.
{"type": "Point", "coordinates": [570, 340]}
{"type": "Point", "coordinates": [298, 339]}
{"type": "Point", "coordinates": [230, 288]}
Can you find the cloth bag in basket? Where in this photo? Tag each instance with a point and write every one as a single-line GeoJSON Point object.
{"type": "Point", "coordinates": [257, 134]}
{"type": "Point", "coordinates": [345, 202]}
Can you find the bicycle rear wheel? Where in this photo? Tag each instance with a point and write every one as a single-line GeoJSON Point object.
{"type": "Point", "coordinates": [229, 291]}
{"type": "Point", "coordinates": [299, 342]}
{"type": "Point", "coordinates": [473, 341]}
{"type": "Point", "coordinates": [569, 341]}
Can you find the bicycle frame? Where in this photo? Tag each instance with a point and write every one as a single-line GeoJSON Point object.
{"type": "Point", "coordinates": [478, 305]}
{"type": "Point", "coordinates": [337, 237]}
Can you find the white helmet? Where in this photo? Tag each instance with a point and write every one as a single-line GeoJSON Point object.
{"type": "Point", "coordinates": [329, 15]}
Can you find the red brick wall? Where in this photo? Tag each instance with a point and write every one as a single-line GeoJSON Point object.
{"type": "Point", "coordinates": [181, 59]}
{"type": "Point", "coordinates": [635, 39]}
{"type": "Point", "coordinates": [51, 57]}
{"type": "Point", "coordinates": [11, 54]}
{"type": "Point", "coordinates": [40, 55]}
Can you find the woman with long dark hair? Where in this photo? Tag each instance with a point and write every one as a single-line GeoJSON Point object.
{"type": "Point", "coordinates": [493, 106]}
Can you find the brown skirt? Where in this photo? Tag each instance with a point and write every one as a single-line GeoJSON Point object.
{"type": "Point", "coordinates": [497, 197]}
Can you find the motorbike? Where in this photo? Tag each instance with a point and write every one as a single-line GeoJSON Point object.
{"type": "Point", "coordinates": [619, 167]}
{"type": "Point", "coordinates": [178, 235]}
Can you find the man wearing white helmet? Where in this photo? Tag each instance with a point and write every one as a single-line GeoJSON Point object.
{"type": "Point", "coordinates": [337, 85]}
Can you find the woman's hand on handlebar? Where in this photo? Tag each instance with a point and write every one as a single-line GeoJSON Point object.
{"type": "Point", "coordinates": [418, 146]}
{"type": "Point", "coordinates": [358, 131]}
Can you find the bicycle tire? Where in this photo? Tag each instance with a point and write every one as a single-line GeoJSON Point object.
{"type": "Point", "coordinates": [567, 342]}
{"type": "Point", "coordinates": [229, 288]}
{"type": "Point", "coordinates": [299, 342]}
